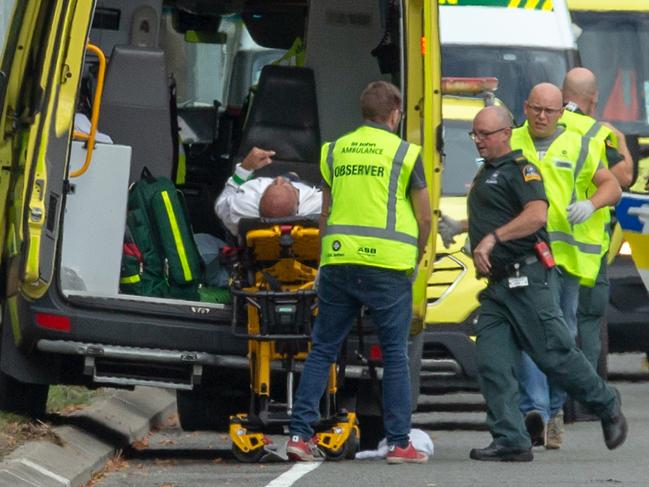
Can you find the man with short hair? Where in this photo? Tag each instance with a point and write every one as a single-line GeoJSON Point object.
{"type": "Point", "coordinates": [580, 97]}
{"type": "Point", "coordinates": [577, 184]}
{"type": "Point", "coordinates": [374, 226]}
{"type": "Point", "coordinates": [507, 213]}
{"type": "Point", "coordinates": [247, 197]}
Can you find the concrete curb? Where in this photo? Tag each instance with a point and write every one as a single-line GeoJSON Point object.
{"type": "Point", "coordinates": [90, 438]}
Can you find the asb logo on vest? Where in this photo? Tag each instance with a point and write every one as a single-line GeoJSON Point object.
{"type": "Point", "coordinates": [336, 245]}
{"type": "Point", "coordinates": [369, 251]}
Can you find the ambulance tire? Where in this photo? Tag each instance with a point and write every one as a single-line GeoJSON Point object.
{"type": "Point", "coordinates": [26, 399]}
{"type": "Point", "coordinates": [208, 409]}
{"type": "Point", "coordinates": [21, 398]}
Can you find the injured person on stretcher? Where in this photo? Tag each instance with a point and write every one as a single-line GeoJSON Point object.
{"type": "Point", "coordinates": [247, 197]}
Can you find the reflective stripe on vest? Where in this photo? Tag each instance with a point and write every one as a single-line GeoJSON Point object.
{"type": "Point", "coordinates": [389, 232]}
{"type": "Point", "coordinates": [577, 248]}
{"type": "Point", "coordinates": [371, 221]}
{"type": "Point", "coordinates": [591, 128]}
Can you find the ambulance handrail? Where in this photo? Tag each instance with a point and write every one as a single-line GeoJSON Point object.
{"type": "Point", "coordinates": [94, 117]}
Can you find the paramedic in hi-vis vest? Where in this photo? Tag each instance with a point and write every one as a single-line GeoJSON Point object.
{"type": "Point", "coordinates": [374, 226]}
{"type": "Point", "coordinates": [577, 183]}
{"type": "Point", "coordinates": [580, 100]}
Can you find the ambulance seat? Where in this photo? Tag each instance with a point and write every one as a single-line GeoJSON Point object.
{"type": "Point", "coordinates": [284, 118]}
{"type": "Point", "coordinates": [135, 108]}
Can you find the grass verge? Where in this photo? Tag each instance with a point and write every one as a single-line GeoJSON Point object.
{"type": "Point", "coordinates": [16, 430]}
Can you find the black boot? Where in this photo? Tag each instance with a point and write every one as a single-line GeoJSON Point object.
{"type": "Point", "coordinates": [615, 427]}
{"type": "Point", "coordinates": [495, 453]}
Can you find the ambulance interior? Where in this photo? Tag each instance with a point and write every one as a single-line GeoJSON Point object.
{"type": "Point", "coordinates": [214, 53]}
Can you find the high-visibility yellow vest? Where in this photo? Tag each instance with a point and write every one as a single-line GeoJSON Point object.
{"type": "Point", "coordinates": [567, 168]}
{"type": "Point", "coordinates": [589, 127]}
{"type": "Point", "coordinates": [371, 220]}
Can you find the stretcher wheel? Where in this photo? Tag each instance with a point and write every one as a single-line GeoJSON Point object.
{"type": "Point", "coordinates": [345, 452]}
{"type": "Point", "coordinates": [351, 445]}
{"type": "Point", "coordinates": [252, 456]}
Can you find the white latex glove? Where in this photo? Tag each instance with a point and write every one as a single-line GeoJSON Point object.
{"type": "Point", "coordinates": [580, 211]}
{"type": "Point", "coordinates": [448, 228]}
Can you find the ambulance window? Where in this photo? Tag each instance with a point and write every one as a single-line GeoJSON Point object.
{"type": "Point", "coordinates": [517, 69]}
{"type": "Point", "coordinates": [460, 162]}
{"type": "Point", "coordinates": [201, 70]}
{"type": "Point", "coordinates": [6, 10]}
{"type": "Point", "coordinates": [615, 45]}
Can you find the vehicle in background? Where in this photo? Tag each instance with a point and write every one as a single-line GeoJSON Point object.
{"type": "Point", "coordinates": [613, 41]}
{"type": "Point", "coordinates": [521, 43]}
{"type": "Point", "coordinates": [449, 351]}
{"type": "Point", "coordinates": [65, 318]}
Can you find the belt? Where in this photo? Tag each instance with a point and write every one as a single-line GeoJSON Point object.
{"type": "Point", "coordinates": [501, 272]}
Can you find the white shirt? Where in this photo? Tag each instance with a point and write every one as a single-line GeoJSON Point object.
{"type": "Point", "coordinates": [239, 201]}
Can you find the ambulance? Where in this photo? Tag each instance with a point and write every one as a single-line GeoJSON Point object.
{"type": "Point", "coordinates": [452, 294]}
{"type": "Point", "coordinates": [520, 42]}
{"type": "Point", "coordinates": [157, 84]}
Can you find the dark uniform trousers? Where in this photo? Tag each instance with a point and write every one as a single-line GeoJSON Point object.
{"type": "Point", "coordinates": [590, 313]}
{"type": "Point", "coordinates": [529, 318]}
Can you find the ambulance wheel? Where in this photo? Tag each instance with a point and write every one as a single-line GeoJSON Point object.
{"type": "Point", "coordinates": [253, 456]}
{"type": "Point", "coordinates": [23, 398]}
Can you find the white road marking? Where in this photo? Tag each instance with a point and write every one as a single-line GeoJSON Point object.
{"type": "Point", "coordinates": [295, 473]}
{"type": "Point", "coordinates": [44, 471]}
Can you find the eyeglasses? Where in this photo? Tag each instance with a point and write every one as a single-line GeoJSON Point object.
{"type": "Point", "coordinates": [537, 110]}
{"type": "Point", "coordinates": [483, 135]}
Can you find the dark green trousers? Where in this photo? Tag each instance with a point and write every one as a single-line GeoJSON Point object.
{"type": "Point", "coordinates": [590, 313]}
{"type": "Point", "coordinates": [529, 319]}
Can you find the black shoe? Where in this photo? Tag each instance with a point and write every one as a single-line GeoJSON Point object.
{"type": "Point", "coordinates": [535, 427]}
{"type": "Point", "coordinates": [495, 453]}
{"type": "Point", "coordinates": [615, 428]}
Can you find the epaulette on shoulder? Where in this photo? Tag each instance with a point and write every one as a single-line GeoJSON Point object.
{"type": "Point", "coordinates": [520, 160]}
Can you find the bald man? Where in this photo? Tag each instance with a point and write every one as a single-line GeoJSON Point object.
{"type": "Point", "coordinates": [580, 97]}
{"type": "Point", "coordinates": [247, 197]}
{"type": "Point", "coordinates": [508, 210]}
{"type": "Point", "coordinates": [577, 183]}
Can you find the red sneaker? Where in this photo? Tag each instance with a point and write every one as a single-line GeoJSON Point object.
{"type": "Point", "coordinates": [398, 455]}
{"type": "Point", "coordinates": [299, 450]}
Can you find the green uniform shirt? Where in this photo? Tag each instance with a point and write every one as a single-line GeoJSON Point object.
{"type": "Point", "coordinates": [499, 192]}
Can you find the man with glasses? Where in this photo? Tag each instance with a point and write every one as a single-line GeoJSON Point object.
{"type": "Point", "coordinates": [577, 184]}
{"type": "Point", "coordinates": [508, 210]}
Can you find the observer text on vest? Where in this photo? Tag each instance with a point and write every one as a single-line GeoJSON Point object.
{"type": "Point", "coordinates": [358, 170]}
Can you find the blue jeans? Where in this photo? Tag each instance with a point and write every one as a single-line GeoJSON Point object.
{"type": "Point", "coordinates": [342, 290]}
{"type": "Point", "coordinates": [536, 393]}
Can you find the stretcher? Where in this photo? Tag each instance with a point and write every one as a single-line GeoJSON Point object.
{"type": "Point", "coordinates": [275, 305]}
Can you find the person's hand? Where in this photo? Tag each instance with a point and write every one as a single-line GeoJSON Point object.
{"type": "Point", "coordinates": [482, 253]}
{"type": "Point", "coordinates": [447, 229]}
{"type": "Point", "coordinates": [257, 158]}
{"type": "Point", "coordinates": [580, 211]}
